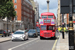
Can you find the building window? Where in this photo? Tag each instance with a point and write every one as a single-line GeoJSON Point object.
{"type": "Point", "coordinates": [15, 1]}
{"type": "Point", "coordinates": [16, 12]}
{"type": "Point", "coordinates": [31, 20]}
{"type": "Point", "coordinates": [16, 18]}
{"type": "Point", "coordinates": [36, 9]}
{"type": "Point", "coordinates": [73, 19]}
{"type": "Point", "coordinates": [15, 6]}
{"type": "Point", "coordinates": [31, 12]}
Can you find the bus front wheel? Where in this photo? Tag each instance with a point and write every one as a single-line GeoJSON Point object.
{"type": "Point", "coordinates": [41, 37]}
{"type": "Point", "coordinates": [54, 36]}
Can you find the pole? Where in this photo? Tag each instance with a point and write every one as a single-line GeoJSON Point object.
{"type": "Point", "coordinates": [63, 26]}
{"type": "Point", "coordinates": [71, 30]}
{"type": "Point", "coordinates": [7, 24]}
{"type": "Point", "coordinates": [48, 5]}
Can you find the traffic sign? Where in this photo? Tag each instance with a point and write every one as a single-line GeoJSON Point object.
{"type": "Point", "coordinates": [65, 6]}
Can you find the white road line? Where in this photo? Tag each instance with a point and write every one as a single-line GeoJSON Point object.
{"type": "Point", "coordinates": [29, 45]}
{"type": "Point", "coordinates": [22, 44]}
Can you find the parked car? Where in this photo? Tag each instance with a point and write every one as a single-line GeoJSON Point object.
{"type": "Point", "coordinates": [3, 33]}
{"type": "Point", "coordinates": [32, 33]}
{"type": "Point", "coordinates": [20, 35]}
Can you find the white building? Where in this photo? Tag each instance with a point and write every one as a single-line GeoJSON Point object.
{"type": "Point", "coordinates": [36, 9]}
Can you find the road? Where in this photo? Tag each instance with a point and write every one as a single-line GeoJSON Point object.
{"type": "Point", "coordinates": [31, 44]}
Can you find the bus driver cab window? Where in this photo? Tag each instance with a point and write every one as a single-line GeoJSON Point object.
{"type": "Point", "coordinates": [49, 28]}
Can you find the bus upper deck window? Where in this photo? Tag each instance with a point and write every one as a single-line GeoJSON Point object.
{"type": "Point", "coordinates": [44, 16]}
{"type": "Point", "coordinates": [50, 16]}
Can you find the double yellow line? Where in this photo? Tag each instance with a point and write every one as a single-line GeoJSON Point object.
{"type": "Point", "coordinates": [55, 44]}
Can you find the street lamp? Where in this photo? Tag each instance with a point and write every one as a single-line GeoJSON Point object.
{"type": "Point", "coordinates": [63, 26]}
{"type": "Point", "coordinates": [7, 24]}
{"type": "Point", "coordinates": [28, 24]}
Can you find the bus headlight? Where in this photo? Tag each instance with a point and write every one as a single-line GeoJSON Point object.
{"type": "Point", "coordinates": [41, 34]}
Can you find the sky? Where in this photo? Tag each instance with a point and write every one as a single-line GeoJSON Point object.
{"type": "Point", "coordinates": [53, 5]}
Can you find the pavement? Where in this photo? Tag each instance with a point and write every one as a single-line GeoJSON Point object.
{"type": "Point", "coordinates": [62, 44]}
{"type": "Point", "coordinates": [4, 39]}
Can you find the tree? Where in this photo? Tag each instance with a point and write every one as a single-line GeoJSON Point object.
{"type": "Point", "coordinates": [2, 8]}
{"type": "Point", "coordinates": [10, 10]}
{"type": "Point", "coordinates": [6, 9]}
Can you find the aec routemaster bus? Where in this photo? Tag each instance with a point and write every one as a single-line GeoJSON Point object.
{"type": "Point", "coordinates": [47, 23]}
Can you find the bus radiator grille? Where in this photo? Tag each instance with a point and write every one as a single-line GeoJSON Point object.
{"type": "Point", "coordinates": [46, 34]}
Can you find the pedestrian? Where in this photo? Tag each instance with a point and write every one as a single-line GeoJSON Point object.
{"type": "Point", "coordinates": [12, 32]}
{"type": "Point", "coordinates": [8, 31]}
{"type": "Point", "coordinates": [59, 29]}
{"type": "Point", "coordinates": [64, 29]}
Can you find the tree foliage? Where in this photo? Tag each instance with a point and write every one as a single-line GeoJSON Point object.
{"type": "Point", "coordinates": [6, 9]}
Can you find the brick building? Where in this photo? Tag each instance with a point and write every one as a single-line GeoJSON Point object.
{"type": "Point", "coordinates": [24, 13]}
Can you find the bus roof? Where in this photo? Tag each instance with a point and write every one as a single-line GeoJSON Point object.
{"type": "Point", "coordinates": [47, 13]}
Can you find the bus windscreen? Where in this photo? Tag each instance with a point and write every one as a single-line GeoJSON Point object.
{"type": "Point", "coordinates": [50, 16]}
{"type": "Point", "coordinates": [43, 27]}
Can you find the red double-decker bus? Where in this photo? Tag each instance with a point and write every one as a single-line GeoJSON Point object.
{"type": "Point", "coordinates": [47, 23]}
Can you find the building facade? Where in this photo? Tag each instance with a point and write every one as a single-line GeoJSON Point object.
{"type": "Point", "coordinates": [58, 14]}
{"type": "Point", "coordinates": [66, 17]}
{"type": "Point", "coordinates": [24, 13]}
{"type": "Point", "coordinates": [61, 17]}
{"type": "Point", "coordinates": [36, 9]}
{"type": "Point", "coordinates": [74, 21]}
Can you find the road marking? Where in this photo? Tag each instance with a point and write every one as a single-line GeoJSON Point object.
{"type": "Point", "coordinates": [54, 44]}
{"type": "Point", "coordinates": [22, 44]}
{"type": "Point", "coordinates": [29, 45]}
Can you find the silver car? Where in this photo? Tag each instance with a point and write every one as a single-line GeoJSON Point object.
{"type": "Point", "coordinates": [19, 35]}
